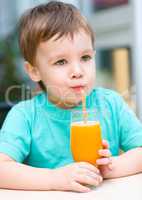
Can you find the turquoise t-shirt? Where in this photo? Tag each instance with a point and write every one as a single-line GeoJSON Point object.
{"type": "Point", "coordinates": [37, 132]}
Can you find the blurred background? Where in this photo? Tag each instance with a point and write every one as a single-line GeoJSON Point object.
{"type": "Point", "coordinates": [118, 29]}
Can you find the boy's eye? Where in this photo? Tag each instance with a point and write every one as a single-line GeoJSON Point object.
{"type": "Point", "coordinates": [61, 62]}
{"type": "Point", "coordinates": [86, 57]}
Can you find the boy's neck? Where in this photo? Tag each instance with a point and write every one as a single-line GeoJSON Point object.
{"type": "Point", "coordinates": [61, 104]}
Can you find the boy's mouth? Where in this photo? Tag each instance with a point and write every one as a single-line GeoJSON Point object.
{"type": "Point", "coordinates": [78, 88]}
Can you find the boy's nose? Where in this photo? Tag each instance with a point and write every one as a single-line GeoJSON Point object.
{"type": "Point", "coordinates": [76, 72]}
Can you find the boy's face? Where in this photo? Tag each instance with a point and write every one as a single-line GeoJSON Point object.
{"type": "Point", "coordinates": [66, 66]}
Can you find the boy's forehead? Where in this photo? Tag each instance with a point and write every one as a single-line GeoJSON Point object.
{"type": "Point", "coordinates": [80, 40]}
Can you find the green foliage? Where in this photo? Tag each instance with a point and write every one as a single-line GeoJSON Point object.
{"type": "Point", "coordinates": [9, 53]}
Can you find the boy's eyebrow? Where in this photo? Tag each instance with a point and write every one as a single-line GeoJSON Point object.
{"type": "Point", "coordinates": [88, 51]}
{"type": "Point", "coordinates": [56, 57]}
{"type": "Point", "coordinates": [63, 55]}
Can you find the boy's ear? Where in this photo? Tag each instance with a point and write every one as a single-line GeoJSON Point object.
{"type": "Point", "coordinates": [32, 71]}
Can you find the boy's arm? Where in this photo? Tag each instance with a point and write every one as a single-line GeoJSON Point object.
{"type": "Point", "coordinates": [129, 131]}
{"type": "Point", "coordinates": [14, 175]}
{"type": "Point", "coordinates": [128, 163]}
{"type": "Point", "coordinates": [74, 177]}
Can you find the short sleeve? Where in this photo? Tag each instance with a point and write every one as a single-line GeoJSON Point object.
{"type": "Point", "coordinates": [130, 128]}
{"type": "Point", "coordinates": [15, 136]}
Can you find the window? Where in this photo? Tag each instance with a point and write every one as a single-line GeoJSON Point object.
{"type": "Point", "coordinates": [104, 4]}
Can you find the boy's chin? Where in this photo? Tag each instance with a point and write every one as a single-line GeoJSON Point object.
{"type": "Point", "coordinates": [71, 104]}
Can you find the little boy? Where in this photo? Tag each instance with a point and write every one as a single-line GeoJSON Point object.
{"type": "Point", "coordinates": [57, 44]}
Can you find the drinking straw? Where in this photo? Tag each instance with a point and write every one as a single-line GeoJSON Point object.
{"type": "Point", "coordinates": [84, 107]}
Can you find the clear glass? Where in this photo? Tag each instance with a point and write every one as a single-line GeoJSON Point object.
{"type": "Point", "coordinates": [85, 137]}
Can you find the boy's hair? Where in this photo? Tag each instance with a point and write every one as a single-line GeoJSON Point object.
{"type": "Point", "coordinates": [44, 21]}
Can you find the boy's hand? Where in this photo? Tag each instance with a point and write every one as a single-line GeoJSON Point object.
{"type": "Point", "coordinates": [76, 177]}
{"type": "Point", "coordinates": [105, 162]}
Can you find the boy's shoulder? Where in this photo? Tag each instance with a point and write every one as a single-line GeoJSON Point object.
{"type": "Point", "coordinates": [28, 106]}
{"type": "Point", "coordinates": [107, 99]}
{"type": "Point", "coordinates": [106, 94]}
{"type": "Point", "coordinates": [24, 113]}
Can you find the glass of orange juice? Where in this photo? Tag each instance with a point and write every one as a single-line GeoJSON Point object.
{"type": "Point", "coordinates": [85, 136]}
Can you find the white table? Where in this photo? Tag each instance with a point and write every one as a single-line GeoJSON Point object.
{"type": "Point", "coordinates": [128, 188]}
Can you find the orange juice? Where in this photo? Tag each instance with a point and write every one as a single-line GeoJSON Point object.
{"type": "Point", "coordinates": [86, 141]}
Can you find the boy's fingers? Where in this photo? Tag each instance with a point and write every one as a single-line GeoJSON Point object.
{"type": "Point", "coordinates": [110, 166]}
{"type": "Point", "coordinates": [89, 180]}
{"type": "Point", "coordinates": [105, 144]}
{"type": "Point", "coordinates": [104, 161]}
{"type": "Point", "coordinates": [89, 167]}
{"type": "Point", "coordinates": [80, 188]}
{"type": "Point", "coordinates": [104, 152]}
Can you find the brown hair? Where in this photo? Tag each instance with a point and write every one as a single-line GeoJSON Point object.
{"type": "Point", "coordinates": [44, 21]}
